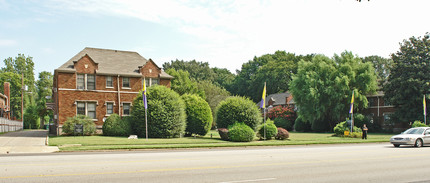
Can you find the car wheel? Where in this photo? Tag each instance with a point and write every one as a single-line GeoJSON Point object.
{"type": "Point", "coordinates": [396, 145]}
{"type": "Point", "coordinates": [418, 143]}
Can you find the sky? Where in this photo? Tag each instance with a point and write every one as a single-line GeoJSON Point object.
{"type": "Point", "coordinates": [224, 33]}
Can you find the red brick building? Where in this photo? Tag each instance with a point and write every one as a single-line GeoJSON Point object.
{"type": "Point", "coordinates": [100, 82]}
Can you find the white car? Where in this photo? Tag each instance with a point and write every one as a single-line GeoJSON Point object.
{"type": "Point", "coordinates": [417, 137]}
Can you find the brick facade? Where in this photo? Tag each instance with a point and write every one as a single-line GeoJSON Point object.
{"type": "Point", "coordinates": [67, 95]}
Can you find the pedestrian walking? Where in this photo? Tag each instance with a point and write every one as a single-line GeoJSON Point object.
{"type": "Point", "coordinates": [364, 128]}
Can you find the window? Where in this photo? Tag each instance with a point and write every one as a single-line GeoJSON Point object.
{"type": "Point", "coordinates": [81, 108]}
{"type": "Point", "coordinates": [126, 109]}
{"type": "Point", "coordinates": [126, 82]}
{"type": "Point", "coordinates": [151, 81]}
{"type": "Point", "coordinates": [91, 110]}
{"type": "Point", "coordinates": [387, 116]}
{"type": "Point", "coordinates": [109, 82]}
{"type": "Point", "coordinates": [109, 108]}
{"type": "Point", "coordinates": [387, 102]}
{"type": "Point", "coordinates": [81, 81]}
{"type": "Point", "coordinates": [86, 81]}
{"type": "Point", "coordinates": [86, 108]}
{"type": "Point", "coordinates": [372, 102]}
{"type": "Point", "coordinates": [147, 82]}
{"type": "Point", "coordinates": [91, 82]}
{"type": "Point", "coordinates": [155, 81]}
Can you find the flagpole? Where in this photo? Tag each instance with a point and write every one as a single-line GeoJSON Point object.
{"type": "Point", "coordinates": [146, 124]}
{"type": "Point", "coordinates": [264, 109]}
{"type": "Point", "coordinates": [145, 105]}
{"type": "Point", "coordinates": [425, 111]}
{"type": "Point", "coordinates": [351, 110]}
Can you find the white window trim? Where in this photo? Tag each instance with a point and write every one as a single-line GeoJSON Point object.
{"type": "Point", "coordinates": [86, 82]}
{"type": "Point", "coordinates": [107, 82]}
{"type": "Point", "coordinates": [129, 84]}
{"type": "Point", "coordinates": [86, 107]}
{"type": "Point", "coordinates": [110, 102]}
{"type": "Point", "coordinates": [122, 112]}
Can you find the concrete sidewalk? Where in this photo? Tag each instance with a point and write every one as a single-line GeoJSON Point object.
{"type": "Point", "coordinates": [33, 141]}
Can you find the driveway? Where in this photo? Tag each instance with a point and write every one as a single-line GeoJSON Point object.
{"type": "Point", "coordinates": [32, 141]}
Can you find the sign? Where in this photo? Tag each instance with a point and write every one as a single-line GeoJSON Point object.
{"type": "Point", "coordinates": [346, 133]}
{"type": "Point", "coordinates": [79, 128]}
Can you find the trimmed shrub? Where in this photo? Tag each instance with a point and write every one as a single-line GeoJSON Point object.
{"type": "Point", "coordinates": [282, 134]}
{"type": "Point", "coordinates": [223, 133]}
{"type": "Point", "coordinates": [271, 130]}
{"type": "Point", "coordinates": [235, 109]}
{"type": "Point", "coordinates": [284, 123]}
{"type": "Point", "coordinates": [115, 126]}
{"type": "Point", "coordinates": [301, 126]}
{"type": "Point", "coordinates": [418, 124]}
{"type": "Point", "coordinates": [343, 126]}
{"type": "Point", "coordinates": [199, 115]}
{"type": "Point", "coordinates": [240, 132]}
{"type": "Point", "coordinates": [87, 122]}
{"type": "Point", "coordinates": [166, 113]}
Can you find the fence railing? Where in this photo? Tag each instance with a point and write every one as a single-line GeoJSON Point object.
{"type": "Point", "coordinates": [7, 125]}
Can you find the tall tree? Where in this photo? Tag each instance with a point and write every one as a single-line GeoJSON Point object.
{"type": "Point", "coordinates": [15, 92]}
{"type": "Point", "coordinates": [382, 67]}
{"type": "Point", "coordinates": [322, 88]}
{"type": "Point", "coordinates": [44, 89]}
{"type": "Point", "coordinates": [409, 79]}
{"type": "Point", "coordinates": [183, 84]}
{"type": "Point", "coordinates": [18, 66]}
{"type": "Point", "coordinates": [274, 69]}
{"type": "Point", "coordinates": [214, 95]}
{"type": "Point", "coordinates": [197, 70]}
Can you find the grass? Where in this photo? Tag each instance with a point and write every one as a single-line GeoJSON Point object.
{"type": "Point", "coordinates": [79, 143]}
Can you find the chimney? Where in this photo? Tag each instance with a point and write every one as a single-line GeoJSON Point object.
{"type": "Point", "coordinates": [7, 93]}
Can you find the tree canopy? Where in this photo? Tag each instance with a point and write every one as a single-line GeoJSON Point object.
{"type": "Point", "coordinates": [274, 69]}
{"type": "Point", "coordinates": [409, 79]}
{"type": "Point", "coordinates": [323, 87]}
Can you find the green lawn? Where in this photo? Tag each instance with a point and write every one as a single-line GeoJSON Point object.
{"type": "Point", "coordinates": [78, 143]}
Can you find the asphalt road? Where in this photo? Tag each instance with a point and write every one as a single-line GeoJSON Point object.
{"type": "Point", "coordinates": [315, 163]}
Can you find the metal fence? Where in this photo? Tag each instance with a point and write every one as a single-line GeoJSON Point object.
{"type": "Point", "coordinates": [7, 125]}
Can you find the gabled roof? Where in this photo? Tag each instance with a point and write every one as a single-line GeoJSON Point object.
{"type": "Point", "coordinates": [111, 62]}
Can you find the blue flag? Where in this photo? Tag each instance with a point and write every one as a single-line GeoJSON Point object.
{"type": "Point", "coordinates": [145, 102]}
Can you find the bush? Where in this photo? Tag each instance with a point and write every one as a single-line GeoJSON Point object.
{"type": "Point", "coordinates": [286, 116]}
{"type": "Point", "coordinates": [240, 132]}
{"type": "Point", "coordinates": [282, 134]}
{"type": "Point", "coordinates": [284, 123]}
{"type": "Point", "coordinates": [199, 115]}
{"type": "Point", "coordinates": [301, 126]}
{"type": "Point", "coordinates": [87, 122]}
{"type": "Point", "coordinates": [223, 133]}
{"type": "Point", "coordinates": [360, 120]}
{"type": "Point", "coordinates": [418, 124]}
{"type": "Point", "coordinates": [343, 126]}
{"type": "Point", "coordinates": [115, 126]}
{"type": "Point", "coordinates": [31, 118]}
{"type": "Point", "coordinates": [320, 126]}
{"type": "Point", "coordinates": [271, 130]}
{"type": "Point", "coordinates": [166, 113]}
{"type": "Point", "coordinates": [235, 109]}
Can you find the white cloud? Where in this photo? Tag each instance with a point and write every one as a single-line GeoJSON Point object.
{"type": "Point", "coordinates": [233, 32]}
{"type": "Point", "coordinates": [8, 42]}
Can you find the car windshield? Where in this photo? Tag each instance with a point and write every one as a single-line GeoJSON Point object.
{"type": "Point", "coordinates": [414, 131]}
